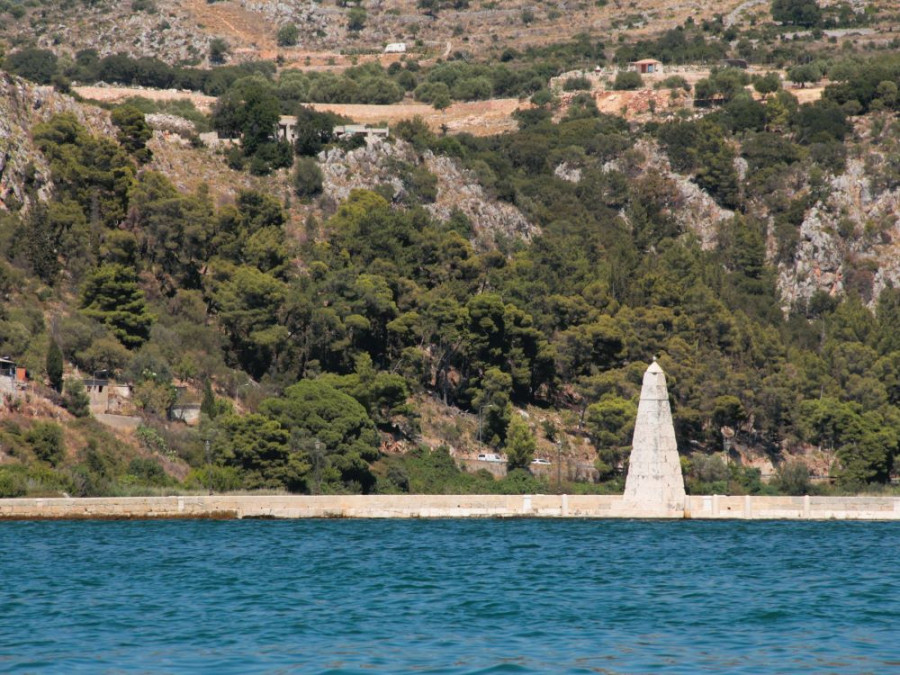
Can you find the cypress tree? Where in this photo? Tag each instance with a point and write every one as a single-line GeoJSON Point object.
{"type": "Point", "coordinates": [208, 404]}
{"type": "Point", "coordinates": [55, 366]}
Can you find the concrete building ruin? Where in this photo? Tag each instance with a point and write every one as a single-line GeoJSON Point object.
{"type": "Point", "coordinates": [184, 409]}
{"type": "Point", "coordinates": [108, 397]}
{"type": "Point", "coordinates": [654, 480]}
{"type": "Point", "coordinates": [287, 130]}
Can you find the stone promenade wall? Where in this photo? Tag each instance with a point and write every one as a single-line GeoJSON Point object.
{"type": "Point", "coordinates": [284, 506]}
{"type": "Point", "coordinates": [448, 506]}
{"type": "Point", "coordinates": [793, 508]}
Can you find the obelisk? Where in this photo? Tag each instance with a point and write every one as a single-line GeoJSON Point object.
{"type": "Point", "coordinates": [654, 479]}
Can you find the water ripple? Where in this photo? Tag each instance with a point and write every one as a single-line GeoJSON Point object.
{"type": "Point", "coordinates": [449, 597]}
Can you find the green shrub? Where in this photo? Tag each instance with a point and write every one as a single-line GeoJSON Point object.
{"type": "Point", "coordinates": [75, 398]}
{"type": "Point", "coordinates": [307, 178]}
{"type": "Point", "coordinates": [792, 478]}
{"type": "Point", "coordinates": [37, 65]}
{"type": "Point", "coordinates": [11, 484]}
{"type": "Point", "coordinates": [152, 440]}
{"type": "Point", "coordinates": [422, 184]}
{"type": "Point", "coordinates": [798, 12]}
{"type": "Point", "coordinates": [577, 84]}
{"type": "Point", "coordinates": [148, 472]}
{"type": "Point", "coordinates": [628, 80]}
{"type": "Point", "coordinates": [288, 35]}
{"type": "Point", "coordinates": [54, 365]}
{"type": "Point", "coordinates": [271, 156]}
{"type": "Point", "coordinates": [46, 440]}
{"type": "Point", "coordinates": [234, 158]}
{"type": "Point", "coordinates": [134, 132]}
{"type": "Point", "coordinates": [218, 50]}
{"type": "Point", "coordinates": [214, 478]}
{"type": "Point", "coordinates": [518, 482]}
{"type": "Point", "coordinates": [673, 82]}
{"type": "Point", "coordinates": [520, 443]}
{"type": "Point", "coordinates": [356, 19]}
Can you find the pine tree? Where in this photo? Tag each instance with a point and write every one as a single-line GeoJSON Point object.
{"type": "Point", "coordinates": [520, 444]}
{"type": "Point", "coordinates": [112, 296]}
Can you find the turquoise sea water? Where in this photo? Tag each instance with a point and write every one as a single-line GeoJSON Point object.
{"type": "Point", "coordinates": [476, 596]}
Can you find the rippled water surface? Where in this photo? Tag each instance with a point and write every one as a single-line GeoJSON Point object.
{"type": "Point", "coordinates": [476, 596]}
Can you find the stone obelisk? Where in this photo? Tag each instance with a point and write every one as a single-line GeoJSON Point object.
{"type": "Point", "coordinates": [654, 479]}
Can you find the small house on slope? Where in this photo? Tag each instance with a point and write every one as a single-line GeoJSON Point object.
{"type": "Point", "coordinates": [13, 379]}
{"type": "Point", "coordinates": [646, 66]}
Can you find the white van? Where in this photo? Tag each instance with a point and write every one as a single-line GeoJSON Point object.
{"type": "Point", "coordinates": [490, 457]}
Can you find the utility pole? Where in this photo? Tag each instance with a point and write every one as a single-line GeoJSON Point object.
{"type": "Point", "coordinates": [208, 469]}
{"type": "Point", "coordinates": [317, 466]}
{"type": "Point", "coordinates": [558, 467]}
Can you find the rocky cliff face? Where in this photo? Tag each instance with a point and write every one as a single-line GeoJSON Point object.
{"type": "Point", "coordinates": [697, 212]}
{"type": "Point", "coordinates": [24, 173]}
{"type": "Point", "coordinates": [380, 163]}
{"type": "Point", "coordinates": [167, 31]}
{"type": "Point", "coordinates": [316, 22]}
{"type": "Point", "coordinates": [849, 238]}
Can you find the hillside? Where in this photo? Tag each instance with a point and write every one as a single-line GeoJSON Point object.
{"type": "Point", "coordinates": [181, 31]}
{"type": "Point", "coordinates": [352, 313]}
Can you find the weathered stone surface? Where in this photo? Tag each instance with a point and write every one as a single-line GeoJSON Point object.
{"type": "Point", "coordinates": [654, 472]}
{"type": "Point", "coordinates": [25, 173]}
{"type": "Point", "coordinates": [457, 188]}
{"type": "Point", "coordinates": [447, 506]}
{"type": "Point", "coordinates": [848, 238]}
{"type": "Point", "coordinates": [696, 212]}
{"type": "Point", "coordinates": [172, 124]}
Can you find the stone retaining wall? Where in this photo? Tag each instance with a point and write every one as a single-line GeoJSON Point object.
{"type": "Point", "coordinates": [448, 506]}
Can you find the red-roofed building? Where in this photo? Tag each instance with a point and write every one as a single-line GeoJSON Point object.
{"type": "Point", "coordinates": [646, 66]}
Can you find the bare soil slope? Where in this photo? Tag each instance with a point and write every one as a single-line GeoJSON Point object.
{"type": "Point", "coordinates": [480, 118]}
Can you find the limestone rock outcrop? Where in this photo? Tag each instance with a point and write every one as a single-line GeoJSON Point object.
{"type": "Point", "coordinates": [378, 163]}
{"type": "Point", "coordinates": [24, 171]}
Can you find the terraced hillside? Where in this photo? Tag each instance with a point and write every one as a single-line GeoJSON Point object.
{"type": "Point", "coordinates": [176, 30]}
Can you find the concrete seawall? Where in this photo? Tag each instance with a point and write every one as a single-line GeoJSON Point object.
{"type": "Point", "coordinates": [706, 507]}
